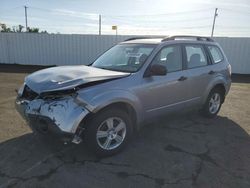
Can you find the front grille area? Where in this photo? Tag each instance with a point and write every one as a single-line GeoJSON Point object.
{"type": "Point", "coordinates": [28, 93]}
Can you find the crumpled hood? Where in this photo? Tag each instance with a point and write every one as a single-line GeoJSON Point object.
{"type": "Point", "coordinates": [68, 77]}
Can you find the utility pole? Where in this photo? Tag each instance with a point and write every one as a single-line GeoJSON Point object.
{"type": "Point", "coordinates": [100, 24]}
{"type": "Point", "coordinates": [26, 19]}
{"type": "Point", "coordinates": [215, 15]}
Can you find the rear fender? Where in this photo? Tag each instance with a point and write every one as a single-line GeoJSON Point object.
{"type": "Point", "coordinates": [217, 80]}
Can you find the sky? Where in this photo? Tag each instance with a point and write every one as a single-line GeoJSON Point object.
{"type": "Point", "coordinates": [133, 17]}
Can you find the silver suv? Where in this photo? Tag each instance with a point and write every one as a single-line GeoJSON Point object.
{"type": "Point", "coordinates": [131, 83]}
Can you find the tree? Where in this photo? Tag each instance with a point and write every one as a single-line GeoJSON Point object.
{"type": "Point", "coordinates": [19, 29]}
{"type": "Point", "coordinates": [4, 28]}
{"type": "Point", "coordinates": [33, 30]}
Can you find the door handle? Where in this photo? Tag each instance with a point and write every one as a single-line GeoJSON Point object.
{"type": "Point", "coordinates": [182, 78]}
{"type": "Point", "coordinates": [211, 72]}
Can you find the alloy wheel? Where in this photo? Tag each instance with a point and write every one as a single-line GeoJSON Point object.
{"type": "Point", "coordinates": [111, 133]}
{"type": "Point", "coordinates": [214, 103]}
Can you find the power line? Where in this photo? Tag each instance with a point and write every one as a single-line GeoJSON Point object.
{"type": "Point", "coordinates": [10, 9]}
{"type": "Point", "coordinates": [236, 11]}
{"type": "Point", "coordinates": [233, 27]}
{"type": "Point", "coordinates": [42, 9]}
{"type": "Point", "coordinates": [148, 27]}
{"type": "Point", "coordinates": [143, 22]}
{"type": "Point", "coordinates": [173, 13]}
{"type": "Point", "coordinates": [128, 15]}
{"type": "Point", "coordinates": [156, 21]}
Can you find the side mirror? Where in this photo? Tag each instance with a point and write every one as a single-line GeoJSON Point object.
{"type": "Point", "coordinates": [157, 70]}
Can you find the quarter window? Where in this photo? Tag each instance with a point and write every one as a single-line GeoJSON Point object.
{"type": "Point", "coordinates": [195, 56]}
{"type": "Point", "coordinates": [170, 57]}
{"type": "Point", "coordinates": [215, 53]}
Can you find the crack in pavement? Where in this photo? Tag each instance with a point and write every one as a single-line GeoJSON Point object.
{"type": "Point", "coordinates": [197, 173]}
{"type": "Point", "coordinates": [197, 122]}
{"type": "Point", "coordinates": [158, 181]}
{"type": "Point", "coordinates": [188, 131]}
{"type": "Point", "coordinates": [96, 161]}
{"type": "Point", "coordinates": [4, 175]}
{"type": "Point", "coordinates": [38, 177]}
{"type": "Point", "coordinates": [22, 179]}
{"type": "Point", "coordinates": [204, 157]}
{"type": "Point", "coordinates": [52, 171]}
{"type": "Point", "coordinates": [188, 125]}
{"type": "Point", "coordinates": [60, 155]}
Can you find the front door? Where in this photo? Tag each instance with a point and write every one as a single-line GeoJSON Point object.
{"type": "Point", "coordinates": [165, 93]}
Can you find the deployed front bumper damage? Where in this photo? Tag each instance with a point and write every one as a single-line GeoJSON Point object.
{"type": "Point", "coordinates": [61, 116]}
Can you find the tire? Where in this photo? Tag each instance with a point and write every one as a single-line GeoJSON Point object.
{"type": "Point", "coordinates": [213, 103]}
{"type": "Point", "coordinates": [110, 139]}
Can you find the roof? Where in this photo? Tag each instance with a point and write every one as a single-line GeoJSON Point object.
{"type": "Point", "coordinates": [145, 40]}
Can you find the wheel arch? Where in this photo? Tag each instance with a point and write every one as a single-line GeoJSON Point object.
{"type": "Point", "coordinates": [222, 88]}
{"type": "Point", "coordinates": [219, 85]}
{"type": "Point", "coordinates": [124, 106]}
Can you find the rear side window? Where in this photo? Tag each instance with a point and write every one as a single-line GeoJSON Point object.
{"type": "Point", "coordinates": [195, 56]}
{"type": "Point", "coordinates": [215, 53]}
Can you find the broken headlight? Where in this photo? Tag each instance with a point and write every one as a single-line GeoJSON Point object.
{"type": "Point", "coordinates": [20, 90]}
{"type": "Point", "coordinates": [58, 94]}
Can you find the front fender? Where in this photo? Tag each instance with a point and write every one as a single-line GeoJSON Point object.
{"type": "Point", "coordinates": [110, 97]}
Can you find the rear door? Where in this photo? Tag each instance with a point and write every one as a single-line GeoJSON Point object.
{"type": "Point", "coordinates": [198, 68]}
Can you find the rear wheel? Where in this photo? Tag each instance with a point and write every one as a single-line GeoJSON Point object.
{"type": "Point", "coordinates": [108, 132]}
{"type": "Point", "coordinates": [213, 103]}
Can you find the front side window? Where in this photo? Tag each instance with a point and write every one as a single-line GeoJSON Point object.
{"type": "Point", "coordinates": [195, 56]}
{"type": "Point", "coordinates": [124, 57]}
{"type": "Point", "coordinates": [170, 57]}
{"type": "Point", "coordinates": [215, 53]}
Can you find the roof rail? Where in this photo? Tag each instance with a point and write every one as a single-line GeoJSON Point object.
{"type": "Point", "coordinates": [150, 37]}
{"type": "Point", "coordinates": [198, 38]}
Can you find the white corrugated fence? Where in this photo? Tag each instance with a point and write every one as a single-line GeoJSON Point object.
{"type": "Point", "coordinates": [62, 49]}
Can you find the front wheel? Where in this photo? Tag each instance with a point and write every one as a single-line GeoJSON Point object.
{"type": "Point", "coordinates": [213, 103]}
{"type": "Point", "coordinates": [108, 132]}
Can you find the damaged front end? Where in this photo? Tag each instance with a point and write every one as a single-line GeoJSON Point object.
{"type": "Point", "coordinates": [58, 113]}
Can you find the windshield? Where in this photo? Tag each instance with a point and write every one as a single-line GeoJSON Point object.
{"type": "Point", "coordinates": [124, 57]}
